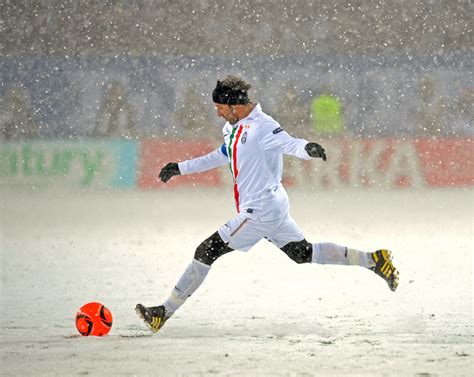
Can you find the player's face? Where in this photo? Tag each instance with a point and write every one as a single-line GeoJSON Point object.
{"type": "Point", "coordinates": [227, 112]}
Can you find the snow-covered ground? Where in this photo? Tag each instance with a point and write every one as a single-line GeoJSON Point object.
{"type": "Point", "coordinates": [258, 313]}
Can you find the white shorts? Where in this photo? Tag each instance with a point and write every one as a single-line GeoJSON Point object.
{"type": "Point", "coordinates": [245, 230]}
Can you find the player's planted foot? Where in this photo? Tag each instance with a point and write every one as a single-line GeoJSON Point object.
{"type": "Point", "coordinates": [153, 316]}
{"type": "Point", "coordinates": [385, 268]}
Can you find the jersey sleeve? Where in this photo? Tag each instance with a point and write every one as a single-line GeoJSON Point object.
{"type": "Point", "coordinates": [273, 138]}
{"type": "Point", "coordinates": [209, 161]}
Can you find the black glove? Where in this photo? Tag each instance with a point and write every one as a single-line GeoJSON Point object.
{"type": "Point", "coordinates": [169, 170]}
{"type": "Point", "coordinates": [315, 150]}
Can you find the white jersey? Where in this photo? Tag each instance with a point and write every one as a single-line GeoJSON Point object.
{"type": "Point", "coordinates": [254, 149]}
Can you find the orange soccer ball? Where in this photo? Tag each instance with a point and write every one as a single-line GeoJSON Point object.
{"type": "Point", "coordinates": [94, 319]}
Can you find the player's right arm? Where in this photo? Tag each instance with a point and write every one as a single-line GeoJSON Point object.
{"type": "Point", "coordinates": [214, 159]}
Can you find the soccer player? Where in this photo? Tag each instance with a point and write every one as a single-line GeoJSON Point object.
{"type": "Point", "coordinates": [254, 144]}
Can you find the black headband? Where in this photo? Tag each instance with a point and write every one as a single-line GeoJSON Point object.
{"type": "Point", "coordinates": [228, 96]}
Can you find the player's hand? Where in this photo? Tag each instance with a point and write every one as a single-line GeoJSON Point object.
{"type": "Point", "coordinates": [169, 170]}
{"type": "Point", "coordinates": [315, 150]}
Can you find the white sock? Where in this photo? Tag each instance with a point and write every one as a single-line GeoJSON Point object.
{"type": "Point", "coordinates": [187, 284]}
{"type": "Point", "coordinates": [330, 253]}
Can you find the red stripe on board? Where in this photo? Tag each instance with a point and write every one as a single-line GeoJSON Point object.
{"type": "Point", "coordinates": [154, 154]}
{"type": "Point", "coordinates": [236, 172]}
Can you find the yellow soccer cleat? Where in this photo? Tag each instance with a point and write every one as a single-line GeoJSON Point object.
{"type": "Point", "coordinates": [154, 316]}
{"type": "Point", "coordinates": [385, 268]}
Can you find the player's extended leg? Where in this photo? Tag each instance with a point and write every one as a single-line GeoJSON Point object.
{"type": "Point", "coordinates": [329, 253]}
{"type": "Point", "coordinates": [326, 253]}
{"type": "Point", "coordinates": [206, 253]}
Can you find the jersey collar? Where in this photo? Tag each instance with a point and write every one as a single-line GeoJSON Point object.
{"type": "Point", "coordinates": [256, 110]}
{"type": "Point", "coordinates": [253, 114]}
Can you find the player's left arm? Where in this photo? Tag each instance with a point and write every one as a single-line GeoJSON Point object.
{"type": "Point", "coordinates": [275, 138]}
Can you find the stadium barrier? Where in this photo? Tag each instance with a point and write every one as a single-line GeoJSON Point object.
{"type": "Point", "coordinates": [154, 154]}
{"type": "Point", "coordinates": [73, 164]}
{"type": "Point", "coordinates": [387, 163]}
{"type": "Point", "coordinates": [352, 163]}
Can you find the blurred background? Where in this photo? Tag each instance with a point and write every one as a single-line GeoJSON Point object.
{"type": "Point", "coordinates": [123, 77]}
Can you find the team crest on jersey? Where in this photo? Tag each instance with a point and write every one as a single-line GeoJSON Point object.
{"type": "Point", "coordinates": [243, 140]}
